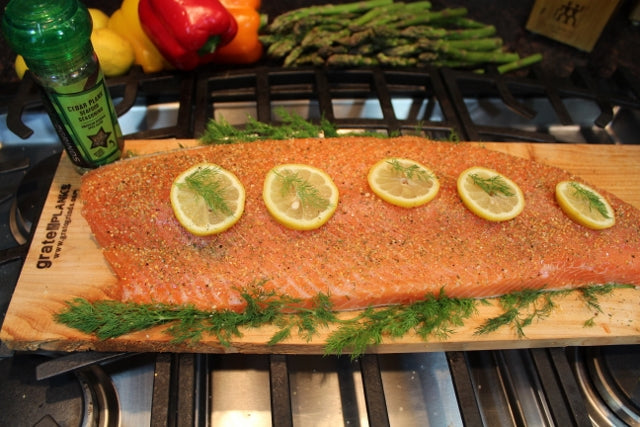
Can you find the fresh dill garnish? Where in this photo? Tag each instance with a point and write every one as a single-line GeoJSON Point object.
{"type": "Point", "coordinates": [222, 132]}
{"type": "Point", "coordinates": [110, 319]}
{"type": "Point", "coordinates": [592, 199]}
{"type": "Point", "coordinates": [287, 126]}
{"type": "Point", "coordinates": [205, 183]}
{"type": "Point", "coordinates": [308, 195]}
{"type": "Point", "coordinates": [453, 136]}
{"type": "Point", "coordinates": [590, 294]}
{"type": "Point", "coordinates": [291, 126]}
{"type": "Point", "coordinates": [412, 172]}
{"type": "Point", "coordinates": [520, 309]}
{"type": "Point", "coordinates": [432, 317]}
{"type": "Point", "coordinates": [306, 321]}
{"type": "Point", "coordinates": [492, 185]}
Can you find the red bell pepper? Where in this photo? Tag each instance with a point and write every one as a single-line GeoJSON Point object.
{"type": "Point", "coordinates": [187, 32]}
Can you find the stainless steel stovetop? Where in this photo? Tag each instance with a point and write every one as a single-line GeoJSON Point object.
{"type": "Point", "coordinates": [554, 386]}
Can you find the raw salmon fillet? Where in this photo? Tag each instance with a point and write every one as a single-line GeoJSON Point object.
{"type": "Point", "coordinates": [370, 253]}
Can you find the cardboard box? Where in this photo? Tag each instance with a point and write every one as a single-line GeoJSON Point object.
{"type": "Point", "coordinates": [577, 23]}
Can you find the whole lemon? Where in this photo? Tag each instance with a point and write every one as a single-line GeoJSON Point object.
{"type": "Point", "coordinates": [20, 66]}
{"type": "Point", "coordinates": [114, 52]}
{"type": "Point", "coordinates": [99, 18]}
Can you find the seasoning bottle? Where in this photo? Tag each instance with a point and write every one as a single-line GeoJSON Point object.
{"type": "Point", "coordinates": [53, 36]}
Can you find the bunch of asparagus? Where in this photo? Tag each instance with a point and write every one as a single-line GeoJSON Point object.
{"type": "Point", "coordinates": [386, 33]}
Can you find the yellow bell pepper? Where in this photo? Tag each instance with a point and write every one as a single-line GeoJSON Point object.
{"type": "Point", "coordinates": [126, 23]}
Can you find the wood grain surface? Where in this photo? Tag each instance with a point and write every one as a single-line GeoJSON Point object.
{"type": "Point", "coordinates": [65, 262]}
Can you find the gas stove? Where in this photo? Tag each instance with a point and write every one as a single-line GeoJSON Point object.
{"type": "Point", "coordinates": [548, 386]}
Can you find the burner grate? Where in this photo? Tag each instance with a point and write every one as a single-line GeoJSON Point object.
{"type": "Point", "coordinates": [370, 100]}
{"type": "Point", "coordinates": [84, 397]}
{"type": "Point", "coordinates": [528, 108]}
{"type": "Point", "coordinates": [437, 103]}
{"type": "Point", "coordinates": [151, 93]}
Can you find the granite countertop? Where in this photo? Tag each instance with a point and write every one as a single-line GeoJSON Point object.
{"type": "Point", "coordinates": [616, 47]}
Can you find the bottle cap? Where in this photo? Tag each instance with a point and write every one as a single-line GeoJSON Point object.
{"type": "Point", "coordinates": [46, 31]}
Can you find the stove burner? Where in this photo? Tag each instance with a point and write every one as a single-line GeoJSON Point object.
{"type": "Point", "coordinates": [27, 203]}
{"type": "Point", "coordinates": [14, 165]}
{"type": "Point", "coordinates": [615, 372]}
{"type": "Point", "coordinates": [20, 228]}
{"type": "Point", "coordinates": [610, 380]}
{"type": "Point", "coordinates": [86, 398]}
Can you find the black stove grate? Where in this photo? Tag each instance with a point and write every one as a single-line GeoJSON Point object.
{"type": "Point", "coordinates": [560, 96]}
{"type": "Point", "coordinates": [334, 95]}
{"type": "Point", "coordinates": [435, 102]}
{"type": "Point", "coordinates": [137, 88]}
{"type": "Point", "coordinates": [438, 103]}
{"type": "Point", "coordinates": [182, 394]}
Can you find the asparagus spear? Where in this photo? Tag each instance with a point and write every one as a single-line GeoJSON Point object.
{"type": "Point", "coordinates": [483, 57]}
{"type": "Point", "coordinates": [523, 62]}
{"type": "Point", "coordinates": [381, 32]}
{"type": "Point", "coordinates": [287, 20]}
{"type": "Point", "coordinates": [470, 33]}
{"type": "Point", "coordinates": [349, 60]}
{"type": "Point", "coordinates": [431, 17]}
{"type": "Point", "coordinates": [390, 10]}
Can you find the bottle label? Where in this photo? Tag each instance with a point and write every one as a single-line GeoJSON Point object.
{"type": "Point", "coordinates": [91, 124]}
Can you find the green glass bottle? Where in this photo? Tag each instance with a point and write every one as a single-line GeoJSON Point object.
{"type": "Point", "coordinates": [53, 36]}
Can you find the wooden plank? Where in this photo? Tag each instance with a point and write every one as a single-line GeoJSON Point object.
{"type": "Point", "coordinates": [64, 262]}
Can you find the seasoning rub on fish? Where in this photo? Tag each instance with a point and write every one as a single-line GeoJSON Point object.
{"type": "Point", "coordinates": [370, 252]}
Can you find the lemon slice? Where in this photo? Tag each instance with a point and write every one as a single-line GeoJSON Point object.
{"type": "Point", "coordinates": [207, 199]}
{"type": "Point", "coordinates": [489, 194]}
{"type": "Point", "coordinates": [403, 182]}
{"type": "Point", "coordinates": [299, 196]}
{"type": "Point", "coordinates": [584, 205]}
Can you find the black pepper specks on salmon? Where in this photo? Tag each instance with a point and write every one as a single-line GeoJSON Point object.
{"type": "Point", "coordinates": [369, 252]}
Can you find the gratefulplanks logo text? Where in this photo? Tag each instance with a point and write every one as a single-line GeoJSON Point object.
{"type": "Point", "coordinates": [57, 226]}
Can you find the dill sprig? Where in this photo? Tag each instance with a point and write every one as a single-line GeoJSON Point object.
{"type": "Point", "coordinates": [492, 185]}
{"type": "Point", "coordinates": [205, 183]}
{"type": "Point", "coordinates": [590, 294]}
{"type": "Point", "coordinates": [306, 321]}
{"type": "Point", "coordinates": [453, 137]}
{"type": "Point", "coordinates": [110, 319]}
{"type": "Point", "coordinates": [308, 195]}
{"type": "Point", "coordinates": [432, 317]}
{"type": "Point", "coordinates": [593, 200]}
{"type": "Point", "coordinates": [520, 309]}
{"type": "Point", "coordinates": [411, 172]}
{"type": "Point", "coordinates": [291, 126]}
